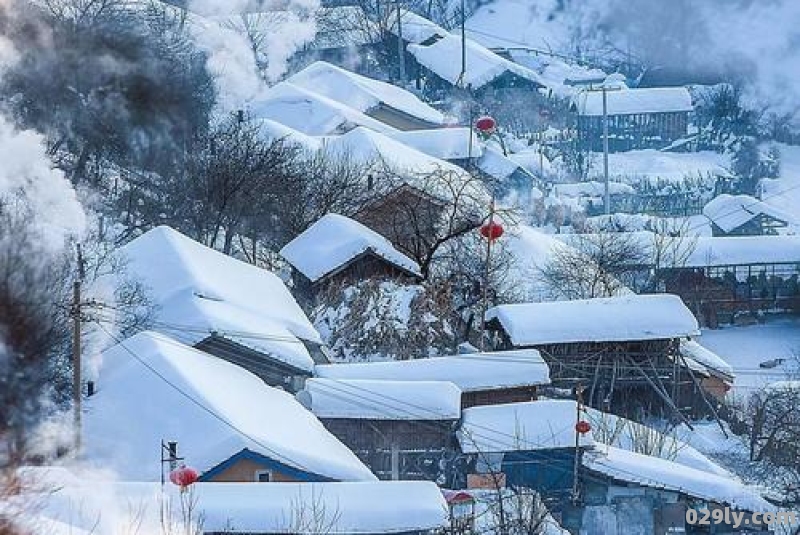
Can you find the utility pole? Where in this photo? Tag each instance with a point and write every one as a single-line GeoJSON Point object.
{"type": "Point", "coordinates": [76, 312]}
{"type": "Point", "coordinates": [575, 473]}
{"type": "Point", "coordinates": [606, 195]}
{"type": "Point", "coordinates": [400, 50]}
{"type": "Point", "coordinates": [463, 44]}
{"type": "Point", "coordinates": [485, 305]}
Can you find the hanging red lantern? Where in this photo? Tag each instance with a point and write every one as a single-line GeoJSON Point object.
{"type": "Point", "coordinates": [184, 476]}
{"type": "Point", "coordinates": [486, 125]}
{"type": "Point", "coordinates": [583, 427]}
{"type": "Point", "coordinates": [491, 230]}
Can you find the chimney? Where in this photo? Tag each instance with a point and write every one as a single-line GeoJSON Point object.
{"type": "Point", "coordinates": [89, 389]}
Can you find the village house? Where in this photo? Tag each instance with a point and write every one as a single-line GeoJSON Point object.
{"type": "Point", "coordinates": [743, 215]}
{"type": "Point", "coordinates": [637, 118]}
{"type": "Point", "coordinates": [732, 279]}
{"type": "Point", "coordinates": [400, 429]}
{"type": "Point", "coordinates": [223, 306]}
{"type": "Point", "coordinates": [611, 490]}
{"type": "Point", "coordinates": [624, 350]}
{"type": "Point", "coordinates": [223, 420]}
{"type": "Point", "coordinates": [337, 251]}
{"type": "Point", "coordinates": [483, 378]}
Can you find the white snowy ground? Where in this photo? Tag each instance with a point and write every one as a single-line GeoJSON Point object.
{"type": "Point", "coordinates": [746, 347]}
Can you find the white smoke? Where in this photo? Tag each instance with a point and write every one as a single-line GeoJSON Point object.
{"type": "Point", "coordinates": [247, 49]}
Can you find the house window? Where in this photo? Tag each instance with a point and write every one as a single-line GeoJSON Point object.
{"type": "Point", "coordinates": [263, 476]}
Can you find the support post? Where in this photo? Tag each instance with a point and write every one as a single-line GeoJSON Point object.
{"type": "Point", "coordinates": [400, 51]}
{"type": "Point", "coordinates": [463, 45]}
{"type": "Point", "coordinates": [606, 195]}
{"type": "Point", "coordinates": [576, 467]}
{"type": "Point", "coordinates": [76, 363]}
{"type": "Point", "coordinates": [395, 458]}
{"type": "Point", "coordinates": [485, 305]}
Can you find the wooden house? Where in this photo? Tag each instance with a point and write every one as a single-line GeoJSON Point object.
{"type": "Point", "coordinates": [743, 215]}
{"type": "Point", "coordinates": [483, 378]}
{"type": "Point", "coordinates": [223, 421]}
{"type": "Point", "coordinates": [726, 279]}
{"type": "Point", "coordinates": [226, 307]}
{"type": "Point", "coordinates": [623, 350]}
{"type": "Point", "coordinates": [338, 251]}
{"type": "Point", "coordinates": [402, 430]}
{"type": "Point", "coordinates": [637, 118]}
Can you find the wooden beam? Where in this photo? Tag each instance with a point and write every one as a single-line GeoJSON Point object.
{"type": "Point", "coordinates": [662, 395]}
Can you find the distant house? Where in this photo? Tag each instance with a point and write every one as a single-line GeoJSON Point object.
{"type": "Point", "coordinates": [399, 429]}
{"type": "Point", "coordinates": [231, 309]}
{"type": "Point", "coordinates": [624, 350]}
{"type": "Point", "coordinates": [637, 118]}
{"type": "Point", "coordinates": [338, 250]}
{"type": "Point", "coordinates": [483, 378]}
{"type": "Point", "coordinates": [225, 421]}
{"type": "Point", "coordinates": [379, 100]}
{"type": "Point", "coordinates": [743, 215]}
{"type": "Point", "coordinates": [726, 279]}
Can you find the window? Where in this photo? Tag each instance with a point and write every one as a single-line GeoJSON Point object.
{"type": "Point", "coordinates": [263, 476]}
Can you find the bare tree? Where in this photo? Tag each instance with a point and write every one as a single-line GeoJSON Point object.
{"type": "Point", "coordinates": [311, 515]}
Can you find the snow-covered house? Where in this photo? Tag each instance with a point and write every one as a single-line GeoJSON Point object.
{"type": "Point", "coordinates": [379, 100]}
{"type": "Point", "coordinates": [84, 505]}
{"type": "Point", "coordinates": [724, 279]}
{"type": "Point", "coordinates": [483, 378]}
{"type": "Point", "coordinates": [399, 429]}
{"type": "Point", "coordinates": [743, 215]}
{"type": "Point", "coordinates": [716, 375]}
{"type": "Point", "coordinates": [339, 250]}
{"type": "Point", "coordinates": [223, 306]}
{"type": "Point", "coordinates": [624, 349]}
{"type": "Point", "coordinates": [638, 118]}
{"type": "Point", "coordinates": [226, 422]}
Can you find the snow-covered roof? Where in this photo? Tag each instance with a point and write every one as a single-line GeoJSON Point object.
{"type": "Point", "coordinates": [362, 93]}
{"type": "Point", "coordinates": [443, 57]}
{"type": "Point", "coordinates": [730, 212]}
{"type": "Point", "coordinates": [741, 250]}
{"type": "Point", "coordinates": [333, 241]}
{"type": "Point", "coordinates": [604, 319]}
{"type": "Point", "coordinates": [497, 165]}
{"type": "Point", "coordinates": [310, 112]}
{"type": "Point", "coordinates": [384, 400]}
{"type": "Point", "coordinates": [275, 131]}
{"type": "Point", "coordinates": [199, 292]}
{"type": "Point", "coordinates": [103, 507]}
{"type": "Point", "coordinates": [533, 425]}
{"type": "Point", "coordinates": [469, 372]}
{"type": "Point", "coordinates": [415, 28]}
{"type": "Point", "coordinates": [624, 465]}
{"type": "Point", "coordinates": [659, 166]}
{"type": "Point", "coordinates": [592, 188]}
{"type": "Point", "coordinates": [153, 388]}
{"type": "Point", "coordinates": [451, 143]}
{"type": "Point", "coordinates": [706, 358]}
{"type": "Point", "coordinates": [630, 101]}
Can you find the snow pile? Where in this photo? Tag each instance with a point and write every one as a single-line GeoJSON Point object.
{"type": "Point", "coordinates": [654, 165]}
{"type": "Point", "coordinates": [415, 28]}
{"type": "Point", "coordinates": [335, 240]}
{"type": "Point", "coordinates": [384, 400]}
{"type": "Point", "coordinates": [632, 101]}
{"type": "Point", "coordinates": [443, 57]}
{"type": "Point", "coordinates": [535, 425]}
{"type": "Point", "coordinates": [153, 388]}
{"type": "Point", "coordinates": [658, 473]}
{"type": "Point", "coordinates": [104, 507]}
{"type": "Point", "coordinates": [730, 212]}
{"type": "Point", "coordinates": [453, 143]}
{"type": "Point", "coordinates": [309, 112]}
{"type": "Point", "coordinates": [199, 292]}
{"type": "Point", "coordinates": [362, 93]}
{"type": "Point", "coordinates": [706, 358]}
{"type": "Point", "coordinates": [605, 319]}
{"type": "Point", "coordinates": [274, 131]}
{"type": "Point", "coordinates": [592, 189]}
{"type": "Point", "coordinates": [470, 372]}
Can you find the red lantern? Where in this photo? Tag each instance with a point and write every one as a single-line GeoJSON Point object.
{"type": "Point", "coordinates": [583, 427]}
{"type": "Point", "coordinates": [486, 125]}
{"type": "Point", "coordinates": [491, 230]}
{"type": "Point", "coordinates": [183, 476]}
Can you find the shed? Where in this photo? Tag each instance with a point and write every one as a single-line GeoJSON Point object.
{"type": "Point", "coordinates": [337, 249]}
{"type": "Point", "coordinates": [400, 429]}
{"type": "Point", "coordinates": [623, 349]}
{"type": "Point", "coordinates": [226, 307]}
{"type": "Point", "coordinates": [483, 378]}
{"type": "Point", "coordinates": [743, 215]}
{"type": "Point", "coordinates": [637, 118]}
{"type": "Point", "coordinates": [227, 423]}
